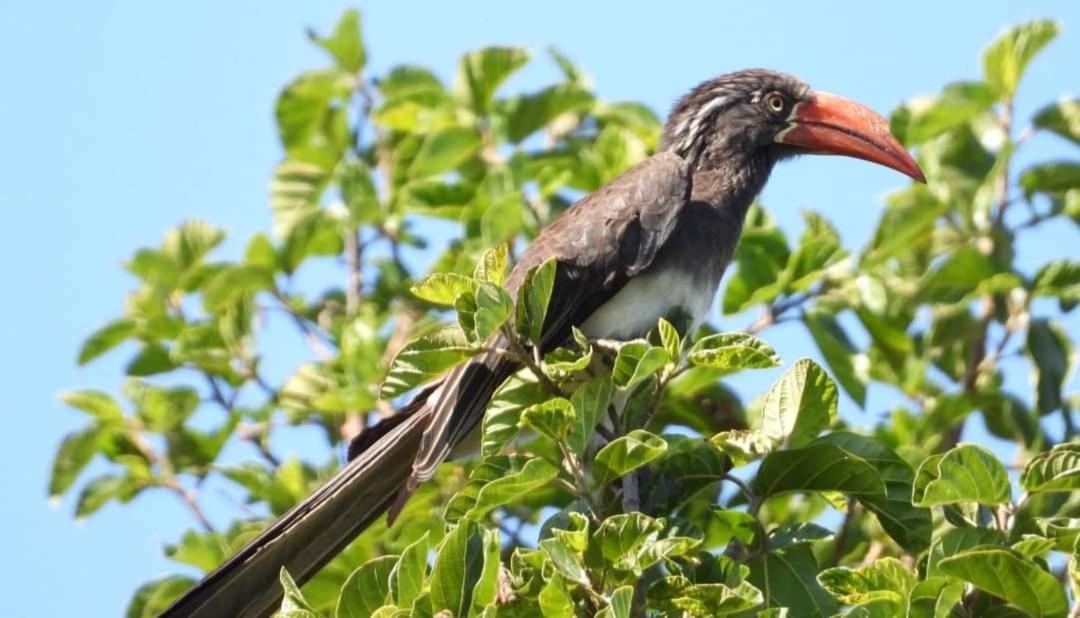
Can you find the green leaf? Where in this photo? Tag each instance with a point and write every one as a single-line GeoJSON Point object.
{"type": "Point", "coordinates": [555, 600]}
{"type": "Point", "coordinates": [636, 362]}
{"type": "Point", "coordinates": [884, 579]}
{"type": "Point", "coordinates": [493, 309]}
{"type": "Point", "coordinates": [345, 45]}
{"type": "Point", "coordinates": [624, 541]}
{"type": "Point", "coordinates": [98, 492]}
{"type": "Point", "coordinates": [465, 570]}
{"type": "Point", "coordinates": [1008, 575]}
{"type": "Point", "coordinates": [934, 597]}
{"type": "Point", "coordinates": [443, 288]}
{"type": "Point", "coordinates": [909, 525]}
{"type": "Point", "coordinates": [1033, 546]}
{"type": "Point", "coordinates": [425, 358]}
{"type": "Point", "coordinates": [799, 405]}
{"type": "Point", "coordinates": [966, 473]}
{"type": "Point", "coordinates": [626, 454]}
{"type": "Point", "coordinates": [1058, 278]}
{"type": "Point", "coordinates": [689, 466]}
{"type": "Point", "coordinates": [503, 416]}
{"type": "Point", "coordinates": [1052, 178]}
{"type": "Point", "coordinates": [408, 575]}
{"type": "Point", "coordinates": [106, 338]}
{"type": "Point", "coordinates": [742, 445]}
{"type": "Point", "coordinates": [444, 150]}
{"type": "Point", "coordinates": [230, 283]}
{"type": "Point", "coordinates": [794, 534]}
{"type": "Point", "coordinates": [726, 525]}
{"type": "Point", "coordinates": [565, 560]}
{"type": "Point", "coordinates": [818, 467]}
{"type": "Point", "coordinates": [293, 603]}
{"type": "Point", "coordinates": [788, 579]}
{"type": "Point", "coordinates": [730, 352]}
{"type": "Point", "coordinates": [95, 403]}
{"type": "Point", "coordinates": [1062, 118]}
{"type": "Point", "coordinates": [590, 402]}
{"type": "Point", "coordinates": [532, 301]}
{"type": "Point", "coordinates": [852, 368]}
{"type": "Point", "coordinates": [203, 551]}
{"type": "Point", "coordinates": [525, 115]}
{"type": "Point", "coordinates": [536, 473]}
{"type": "Point", "coordinates": [552, 418]}
{"type": "Point", "coordinates": [294, 192]}
{"type": "Point", "coordinates": [490, 470]}
{"type": "Point", "coordinates": [358, 192]}
{"type": "Point", "coordinates": [1006, 58]}
{"type": "Point", "coordinates": [621, 602]}
{"type": "Point", "coordinates": [75, 452]}
{"type": "Point", "coordinates": [670, 339]}
{"type": "Point", "coordinates": [307, 120]}
{"type": "Point", "coordinates": [1064, 530]}
{"type": "Point", "coordinates": [922, 119]}
{"type": "Point", "coordinates": [492, 265]}
{"type": "Point", "coordinates": [366, 589]}
{"type": "Point", "coordinates": [154, 597]}
{"type": "Point", "coordinates": [677, 595]}
{"type": "Point", "coordinates": [958, 276]}
{"type": "Point", "coordinates": [1051, 351]}
{"type": "Point", "coordinates": [957, 540]}
{"type": "Point", "coordinates": [1055, 470]}
{"type": "Point", "coordinates": [481, 72]}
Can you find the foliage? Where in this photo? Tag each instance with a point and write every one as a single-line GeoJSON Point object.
{"type": "Point", "coordinates": [689, 502]}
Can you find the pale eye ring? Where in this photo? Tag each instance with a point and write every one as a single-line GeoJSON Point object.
{"type": "Point", "coordinates": [775, 102]}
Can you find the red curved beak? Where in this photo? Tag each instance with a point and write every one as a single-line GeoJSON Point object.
{"type": "Point", "coordinates": [829, 124]}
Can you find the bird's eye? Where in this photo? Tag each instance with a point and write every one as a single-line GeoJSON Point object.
{"type": "Point", "coordinates": [775, 102]}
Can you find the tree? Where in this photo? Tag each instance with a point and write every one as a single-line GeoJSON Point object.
{"type": "Point", "coordinates": [586, 513]}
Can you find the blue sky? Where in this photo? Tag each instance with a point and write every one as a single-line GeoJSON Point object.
{"type": "Point", "coordinates": [122, 118]}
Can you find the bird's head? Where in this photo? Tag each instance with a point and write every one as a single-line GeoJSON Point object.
{"type": "Point", "coordinates": [764, 116]}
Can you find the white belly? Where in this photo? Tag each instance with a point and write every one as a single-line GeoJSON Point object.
{"type": "Point", "coordinates": [636, 308]}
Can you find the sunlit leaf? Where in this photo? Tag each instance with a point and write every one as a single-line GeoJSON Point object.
{"type": "Point", "coordinates": [626, 454]}
{"type": "Point", "coordinates": [1008, 575]}
{"type": "Point", "coordinates": [1055, 470]}
{"type": "Point", "coordinates": [799, 405]}
{"type": "Point", "coordinates": [966, 473]}
{"type": "Point", "coordinates": [1005, 60]}
{"type": "Point", "coordinates": [733, 351]}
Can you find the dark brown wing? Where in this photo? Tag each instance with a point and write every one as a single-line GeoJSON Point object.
{"type": "Point", "coordinates": [599, 244]}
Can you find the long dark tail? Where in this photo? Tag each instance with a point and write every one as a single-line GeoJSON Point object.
{"type": "Point", "coordinates": [310, 534]}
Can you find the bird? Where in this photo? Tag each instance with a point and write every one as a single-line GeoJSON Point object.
{"type": "Point", "coordinates": [653, 242]}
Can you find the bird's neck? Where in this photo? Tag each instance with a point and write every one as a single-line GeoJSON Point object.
{"type": "Point", "coordinates": [731, 184]}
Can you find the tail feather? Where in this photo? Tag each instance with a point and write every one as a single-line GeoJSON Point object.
{"type": "Point", "coordinates": [309, 535]}
{"type": "Point", "coordinates": [388, 461]}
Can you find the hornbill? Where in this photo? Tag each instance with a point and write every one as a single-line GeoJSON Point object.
{"type": "Point", "coordinates": [652, 243]}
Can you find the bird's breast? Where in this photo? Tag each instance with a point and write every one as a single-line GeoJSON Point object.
{"type": "Point", "coordinates": [673, 293]}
